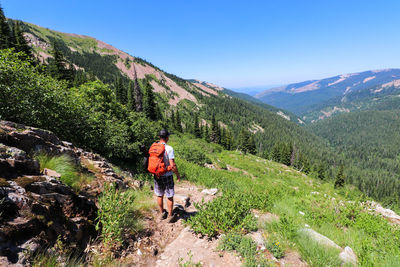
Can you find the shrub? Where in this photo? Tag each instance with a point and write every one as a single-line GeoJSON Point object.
{"type": "Point", "coordinates": [116, 215]}
{"type": "Point", "coordinates": [193, 154]}
{"type": "Point", "coordinates": [245, 246]}
{"type": "Point", "coordinates": [227, 213]}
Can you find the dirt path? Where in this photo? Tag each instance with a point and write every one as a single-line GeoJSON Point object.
{"type": "Point", "coordinates": [163, 243]}
{"type": "Point", "coordinates": [166, 244]}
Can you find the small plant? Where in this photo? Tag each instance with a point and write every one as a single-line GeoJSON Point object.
{"type": "Point", "coordinates": [231, 212]}
{"type": "Point", "coordinates": [188, 263]}
{"type": "Point", "coordinates": [276, 249]}
{"type": "Point", "coordinates": [116, 215]}
{"type": "Point", "coordinates": [245, 246]}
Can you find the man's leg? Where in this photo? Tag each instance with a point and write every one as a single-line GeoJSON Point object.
{"type": "Point", "coordinates": [170, 205]}
{"type": "Point", "coordinates": [160, 202]}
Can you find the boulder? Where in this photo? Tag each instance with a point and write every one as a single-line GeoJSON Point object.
{"type": "Point", "coordinates": [347, 256]}
{"type": "Point", "coordinates": [211, 191]}
{"type": "Point", "coordinates": [182, 199]}
{"type": "Point", "coordinates": [321, 239]}
{"type": "Point", "coordinates": [51, 173]}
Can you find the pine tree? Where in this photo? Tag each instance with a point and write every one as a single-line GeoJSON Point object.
{"type": "Point", "coordinates": [178, 125]}
{"type": "Point", "coordinates": [206, 135]}
{"type": "Point", "coordinates": [149, 108]}
{"type": "Point", "coordinates": [215, 132]}
{"type": "Point", "coordinates": [196, 128]}
{"type": "Point", "coordinates": [130, 99]}
{"type": "Point", "coordinates": [5, 34]}
{"type": "Point", "coordinates": [321, 172]}
{"type": "Point", "coordinates": [339, 181]}
{"type": "Point", "coordinates": [172, 119]}
{"type": "Point", "coordinates": [57, 66]}
{"type": "Point", "coordinates": [138, 93]}
{"type": "Point", "coordinates": [19, 41]}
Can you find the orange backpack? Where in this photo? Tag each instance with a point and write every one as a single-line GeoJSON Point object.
{"type": "Point", "coordinates": [156, 163]}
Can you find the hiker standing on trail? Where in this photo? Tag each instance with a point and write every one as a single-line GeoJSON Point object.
{"type": "Point", "coordinates": [162, 165]}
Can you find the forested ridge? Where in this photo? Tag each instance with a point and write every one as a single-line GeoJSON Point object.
{"type": "Point", "coordinates": [369, 144]}
{"type": "Point", "coordinates": [78, 63]}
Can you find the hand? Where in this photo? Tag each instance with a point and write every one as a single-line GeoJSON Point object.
{"type": "Point", "coordinates": [178, 178]}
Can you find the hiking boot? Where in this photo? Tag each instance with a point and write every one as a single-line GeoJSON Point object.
{"type": "Point", "coordinates": [173, 218]}
{"type": "Point", "coordinates": [164, 215]}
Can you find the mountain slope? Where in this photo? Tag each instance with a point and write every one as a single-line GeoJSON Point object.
{"type": "Point", "coordinates": [299, 98]}
{"type": "Point", "coordinates": [381, 97]}
{"type": "Point", "coordinates": [189, 97]}
{"type": "Point", "coordinates": [369, 142]}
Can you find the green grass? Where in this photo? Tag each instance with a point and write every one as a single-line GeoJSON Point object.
{"type": "Point", "coordinates": [64, 165]}
{"type": "Point", "coordinates": [317, 255]}
{"type": "Point", "coordinates": [336, 214]}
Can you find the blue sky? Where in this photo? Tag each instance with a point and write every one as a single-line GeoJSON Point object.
{"type": "Point", "coordinates": [234, 43]}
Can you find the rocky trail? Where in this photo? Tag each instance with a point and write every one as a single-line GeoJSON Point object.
{"type": "Point", "coordinates": [168, 243]}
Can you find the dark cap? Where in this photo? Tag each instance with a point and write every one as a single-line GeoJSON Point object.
{"type": "Point", "coordinates": [164, 133]}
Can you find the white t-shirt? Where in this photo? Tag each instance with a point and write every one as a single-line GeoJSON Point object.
{"type": "Point", "coordinates": [169, 154]}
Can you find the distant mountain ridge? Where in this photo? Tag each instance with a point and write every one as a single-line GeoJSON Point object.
{"type": "Point", "coordinates": [301, 98]}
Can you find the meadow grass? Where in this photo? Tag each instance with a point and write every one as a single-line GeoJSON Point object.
{"type": "Point", "coordinates": [338, 214]}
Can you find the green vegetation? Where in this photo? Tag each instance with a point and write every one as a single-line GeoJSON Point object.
{"type": "Point", "coordinates": [230, 212]}
{"type": "Point", "coordinates": [65, 166]}
{"type": "Point", "coordinates": [245, 247]}
{"type": "Point", "coordinates": [117, 215]}
{"type": "Point", "coordinates": [340, 214]}
{"type": "Point", "coordinates": [88, 115]}
{"type": "Point", "coordinates": [188, 263]}
{"type": "Point", "coordinates": [369, 144]}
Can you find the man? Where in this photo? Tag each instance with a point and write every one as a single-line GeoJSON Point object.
{"type": "Point", "coordinates": [164, 185]}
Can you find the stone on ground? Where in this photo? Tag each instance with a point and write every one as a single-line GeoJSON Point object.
{"type": "Point", "coordinates": [201, 249]}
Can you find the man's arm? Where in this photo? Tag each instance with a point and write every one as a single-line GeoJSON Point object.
{"type": "Point", "coordinates": [175, 169]}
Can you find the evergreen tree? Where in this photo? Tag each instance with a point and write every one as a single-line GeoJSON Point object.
{"type": "Point", "coordinates": [57, 66]}
{"type": "Point", "coordinates": [138, 93]}
{"type": "Point", "coordinates": [215, 132]}
{"type": "Point", "coordinates": [5, 34]}
{"type": "Point", "coordinates": [196, 128]}
{"type": "Point", "coordinates": [246, 142]}
{"type": "Point", "coordinates": [339, 181]}
{"type": "Point", "coordinates": [172, 120]}
{"type": "Point", "coordinates": [19, 41]}
{"type": "Point", "coordinates": [206, 135]}
{"type": "Point", "coordinates": [321, 172]}
{"type": "Point", "coordinates": [149, 108]}
{"type": "Point", "coordinates": [130, 99]}
{"type": "Point", "coordinates": [178, 124]}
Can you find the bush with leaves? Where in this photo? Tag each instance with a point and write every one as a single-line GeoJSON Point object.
{"type": "Point", "coordinates": [116, 215]}
{"type": "Point", "coordinates": [229, 212]}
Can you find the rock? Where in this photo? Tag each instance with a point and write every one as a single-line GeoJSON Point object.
{"type": "Point", "coordinates": [182, 199]}
{"type": "Point", "coordinates": [317, 237]}
{"type": "Point", "coordinates": [347, 256]}
{"type": "Point", "coordinates": [264, 218]}
{"type": "Point", "coordinates": [258, 239]}
{"type": "Point", "coordinates": [386, 213]}
{"type": "Point", "coordinates": [51, 173]}
{"type": "Point", "coordinates": [211, 191]}
{"type": "Point", "coordinates": [210, 166]}
{"type": "Point", "coordinates": [139, 252]}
